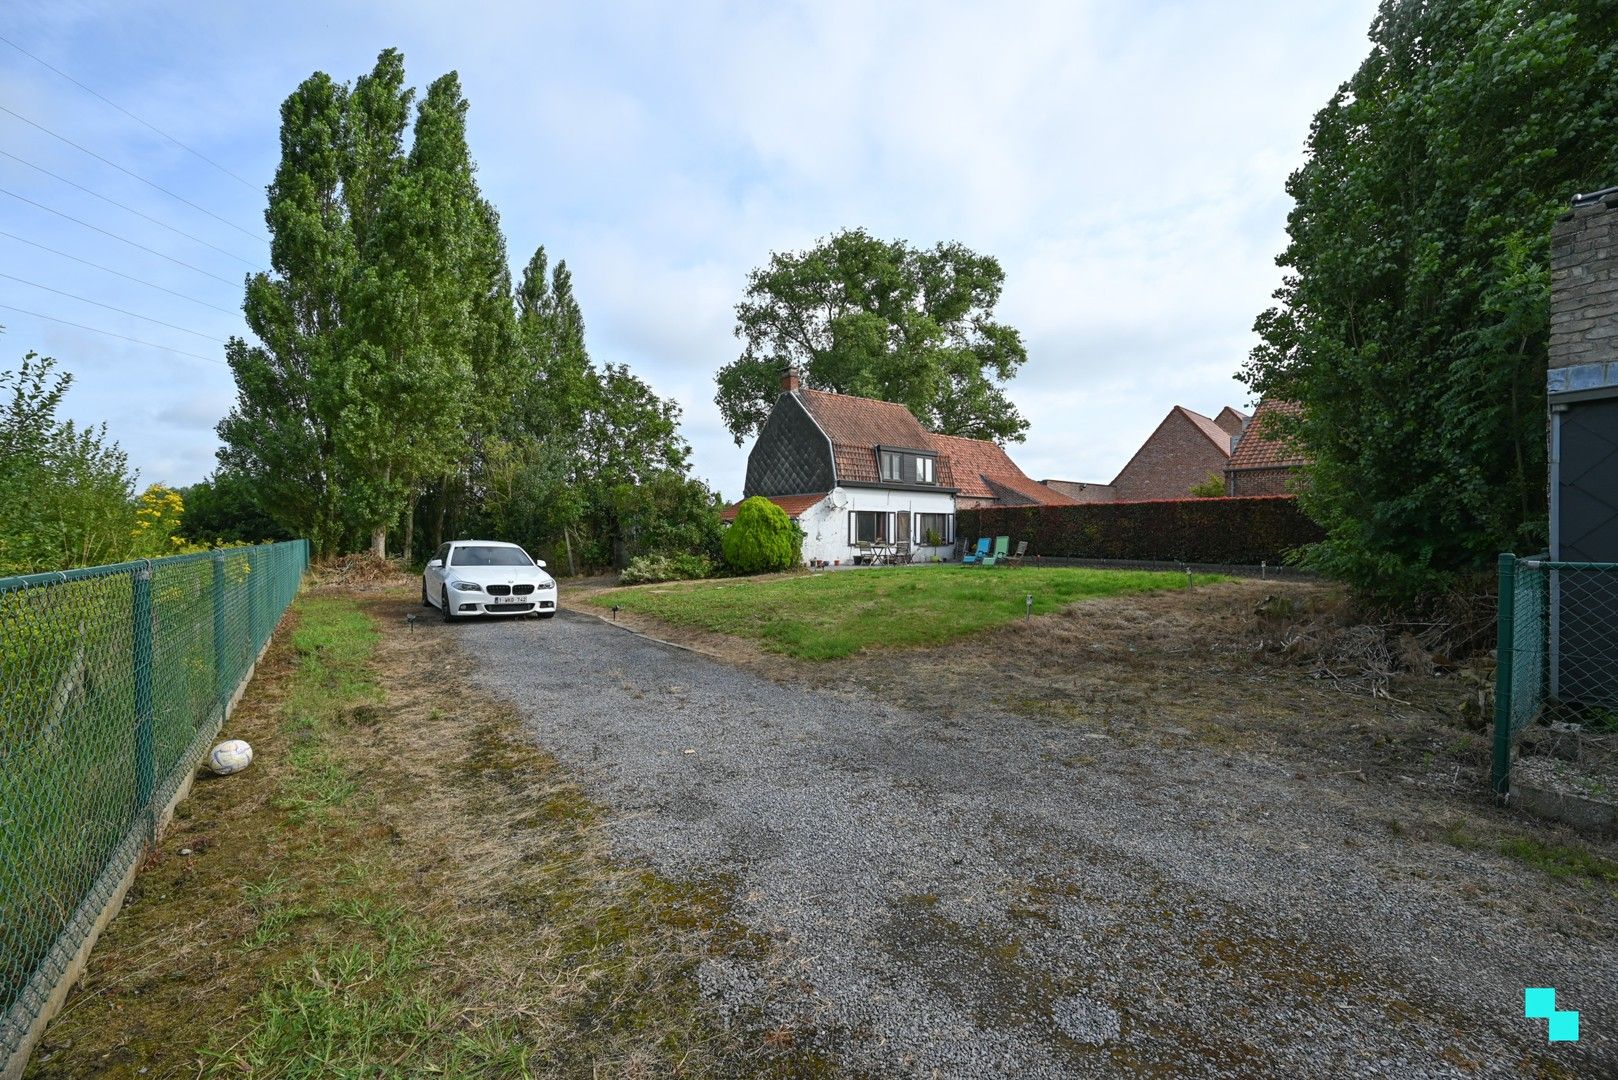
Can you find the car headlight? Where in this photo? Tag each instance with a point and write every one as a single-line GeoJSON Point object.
{"type": "Point", "coordinates": [466, 586]}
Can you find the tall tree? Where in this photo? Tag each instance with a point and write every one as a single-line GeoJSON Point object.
{"type": "Point", "coordinates": [1412, 324]}
{"type": "Point", "coordinates": [883, 320]}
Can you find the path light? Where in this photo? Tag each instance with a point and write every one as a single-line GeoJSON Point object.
{"type": "Point", "coordinates": [1188, 575]}
{"type": "Point", "coordinates": [410, 620]}
{"type": "Point", "coordinates": [1263, 570]}
{"type": "Point", "coordinates": [615, 613]}
{"type": "Point", "coordinates": [1030, 605]}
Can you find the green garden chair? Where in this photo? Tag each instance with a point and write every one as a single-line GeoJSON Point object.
{"type": "Point", "coordinates": [1001, 545]}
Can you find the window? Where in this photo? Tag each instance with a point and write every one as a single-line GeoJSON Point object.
{"type": "Point", "coordinates": [479, 555]}
{"type": "Point", "coordinates": [902, 468]}
{"type": "Point", "coordinates": [931, 526]}
{"type": "Point", "coordinates": [924, 470]}
{"type": "Point", "coordinates": [869, 526]}
{"type": "Point", "coordinates": [892, 466]}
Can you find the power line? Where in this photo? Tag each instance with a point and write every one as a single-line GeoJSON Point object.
{"type": "Point", "coordinates": [126, 112]}
{"type": "Point", "coordinates": [115, 236]}
{"type": "Point", "coordinates": [118, 273]}
{"type": "Point", "coordinates": [109, 333]}
{"type": "Point", "coordinates": [136, 175]}
{"type": "Point", "coordinates": [109, 307]}
{"type": "Point", "coordinates": [132, 210]}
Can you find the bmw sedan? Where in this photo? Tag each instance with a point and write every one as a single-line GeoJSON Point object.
{"type": "Point", "coordinates": [487, 577]}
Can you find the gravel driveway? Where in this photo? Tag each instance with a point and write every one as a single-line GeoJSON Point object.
{"type": "Point", "coordinates": [1010, 897]}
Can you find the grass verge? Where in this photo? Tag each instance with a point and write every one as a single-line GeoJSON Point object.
{"type": "Point", "coordinates": [401, 885]}
{"type": "Point", "coordinates": [827, 616]}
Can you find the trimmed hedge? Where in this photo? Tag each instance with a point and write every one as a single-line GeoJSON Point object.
{"type": "Point", "coordinates": [1239, 531]}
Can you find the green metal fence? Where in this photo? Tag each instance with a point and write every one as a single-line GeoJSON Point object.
{"type": "Point", "coordinates": [1556, 651]}
{"type": "Point", "coordinates": [113, 682]}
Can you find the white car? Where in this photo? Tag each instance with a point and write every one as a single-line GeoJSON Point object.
{"type": "Point", "coordinates": [487, 577]}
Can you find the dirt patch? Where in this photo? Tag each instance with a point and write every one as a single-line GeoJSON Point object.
{"type": "Point", "coordinates": [402, 877]}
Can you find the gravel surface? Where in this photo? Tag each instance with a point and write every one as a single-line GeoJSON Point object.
{"type": "Point", "coordinates": [1012, 897]}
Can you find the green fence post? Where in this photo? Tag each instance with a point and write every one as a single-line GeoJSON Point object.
{"type": "Point", "coordinates": [1504, 661]}
{"type": "Point", "coordinates": [221, 647]}
{"type": "Point", "coordinates": [251, 589]}
{"type": "Point", "coordinates": [145, 773]}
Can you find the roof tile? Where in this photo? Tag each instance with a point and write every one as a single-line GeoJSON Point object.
{"type": "Point", "coordinates": [1261, 449]}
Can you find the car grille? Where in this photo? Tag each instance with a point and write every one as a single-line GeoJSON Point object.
{"type": "Point", "coordinates": [508, 609]}
{"type": "Point", "coordinates": [521, 590]}
{"type": "Point", "coordinates": [499, 590]}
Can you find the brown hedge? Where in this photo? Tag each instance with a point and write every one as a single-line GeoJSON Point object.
{"type": "Point", "coordinates": [1237, 531]}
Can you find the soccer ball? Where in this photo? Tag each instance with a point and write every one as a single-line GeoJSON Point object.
{"type": "Point", "coordinates": [230, 756]}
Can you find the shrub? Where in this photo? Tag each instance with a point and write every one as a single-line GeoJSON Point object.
{"type": "Point", "coordinates": [763, 539]}
{"type": "Point", "coordinates": [1237, 531]}
{"type": "Point", "coordinates": [650, 569]}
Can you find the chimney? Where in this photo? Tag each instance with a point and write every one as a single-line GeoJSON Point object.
{"type": "Point", "coordinates": [789, 379]}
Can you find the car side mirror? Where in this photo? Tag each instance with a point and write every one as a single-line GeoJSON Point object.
{"type": "Point", "coordinates": [540, 563]}
{"type": "Point", "coordinates": [434, 564]}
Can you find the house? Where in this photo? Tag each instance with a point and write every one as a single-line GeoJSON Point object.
{"type": "Point", "coordinates": [1184, 450]}
{"type": "Point", "coordinates": [1263, 462]}
{"type": "Point", "coordinates": [850, 469]}
{"type": "Point", "coordinates": [1581, 385]}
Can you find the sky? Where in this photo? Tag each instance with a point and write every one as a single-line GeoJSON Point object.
{"type": "Point", "coordinates": [1125, 163]}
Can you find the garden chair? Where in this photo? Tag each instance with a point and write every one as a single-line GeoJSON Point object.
{"type": "Point", "coordinates": [1016, 558]}
{"type": "Point", "coordinates": [1001, 543]}
{"type": "Point", "coordinates": [977, 554]}
{"type": "Point", "coordinates": [901, 553]}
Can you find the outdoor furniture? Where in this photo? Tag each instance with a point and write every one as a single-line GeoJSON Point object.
{"type": "Point", "coordinates": [901, 553]}
{"type": "Point", "coordinates": [978, 553]}
{"type": "Point", "coordinates": [1001, 543]}
{"type": "Point", "coordinates": [1016, 558]}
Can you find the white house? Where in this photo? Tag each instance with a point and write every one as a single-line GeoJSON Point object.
{"type": "Point", "coordinates": [851, 469]}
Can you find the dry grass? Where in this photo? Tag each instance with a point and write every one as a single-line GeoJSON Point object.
{"type": "Point", "coordinates": [401, 884]}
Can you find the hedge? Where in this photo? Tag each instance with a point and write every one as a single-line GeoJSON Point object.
{"type": "Point", "coordinates": [1239, 531]}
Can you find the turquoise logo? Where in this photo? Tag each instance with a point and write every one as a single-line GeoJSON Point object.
{"type": "Point", "coordinates": [1561, 1025]}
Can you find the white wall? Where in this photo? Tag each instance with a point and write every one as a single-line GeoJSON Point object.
{"type": "Point", "coordinates": [826, 529]}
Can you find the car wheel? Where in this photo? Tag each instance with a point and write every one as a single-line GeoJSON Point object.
{"type": "Point", "coordinates": [425, 602]}
{"type": "Point", "coordinates": [443, 601]}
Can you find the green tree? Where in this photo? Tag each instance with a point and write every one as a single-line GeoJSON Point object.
{"type": "Point", "coordinates": [65, 491]}
{"type": "Point", "coordinates": [762, 539]}
{"type": "Point", "coordinates": [1412, 324]}
{"type": "Point", "coordinates": [225, 509]}
{"type": "Point", "coordinates": [883, 320]}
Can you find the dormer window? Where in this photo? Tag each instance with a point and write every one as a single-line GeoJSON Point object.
{"type": "Point", "coordinates": [907, 467]}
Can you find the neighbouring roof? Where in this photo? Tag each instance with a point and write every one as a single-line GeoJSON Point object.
{"type": "Point", "coordinates": [1084, 491]}
{"type": "Point", "coordinates": [794, 505]}
{"type": "Point", "coordinates": [1262, 449]}
{"type": "Point", "coordinates": [1216, 434]}
{"type": "Point", "coordinates": [983, 470]}
{"type": "Point", "coordinates": [1230, 420]}
{"type": "Point", "coordinates": [856, 426]}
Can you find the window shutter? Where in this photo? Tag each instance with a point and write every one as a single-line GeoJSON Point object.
{"type": "Point", "coordinates": [851, 528]}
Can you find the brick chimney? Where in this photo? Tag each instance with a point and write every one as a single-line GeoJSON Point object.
{"type": "Point", "coordinates": [789, 379]}
{"type": "Point", "coordinates": [1584, 296]}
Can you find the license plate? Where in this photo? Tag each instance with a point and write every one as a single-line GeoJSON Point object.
{"type": "Point", "coordinates": [508, 600]}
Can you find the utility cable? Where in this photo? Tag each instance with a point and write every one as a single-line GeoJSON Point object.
{"type": "Point", "coordinates": [188, 149]}
{"type": "Point", "coordinates": [115, 236]}
{"type": "Point", "coordinates": [117, 273]}
{"type": "Point", "coordinates": [109, 307]}
{"type": "Point", "coordinates": [138, 213]}
{"type": "Point", "coordinates": [136, 175]}
{"type": "Point", "coordinates": [109, 333]}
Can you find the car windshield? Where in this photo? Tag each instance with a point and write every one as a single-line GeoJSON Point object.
{"type": "Point", "coordinates": [489, 556]}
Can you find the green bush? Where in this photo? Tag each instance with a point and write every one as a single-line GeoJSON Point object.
{"type": "Point", "coordinates": [763, 539]}
{"type": "Point", "coordinates": [650, 569]}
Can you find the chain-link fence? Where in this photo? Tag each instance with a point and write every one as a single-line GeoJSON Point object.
{"type": "Point", "coordinates": [1557, 658]}
{"type": "Point", "coordinates": [113, 682]}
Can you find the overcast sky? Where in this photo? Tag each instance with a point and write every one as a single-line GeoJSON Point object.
{"type": "Point", "coordinates": [1124, 162]}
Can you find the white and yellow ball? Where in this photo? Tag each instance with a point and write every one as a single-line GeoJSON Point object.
{"type": "Point", "coordinates": [230, 756]}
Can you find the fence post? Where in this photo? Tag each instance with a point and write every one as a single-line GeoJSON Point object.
{"type": "Point", "coordinates": [220, 646]}
{"type": "Point", "coordinates": [252, 605]}
{"type": "Point", "coordinates": [1504, 661]}
{"type": "Point", "coordinates": [145, 772]}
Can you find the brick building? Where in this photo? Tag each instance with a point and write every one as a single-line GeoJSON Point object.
{"type": "Point", "coordinates": [1183, 451]}
{"type": "Point", "coordinates": [1262, 462]}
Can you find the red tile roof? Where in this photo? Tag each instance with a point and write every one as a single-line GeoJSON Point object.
{"type": "Point", "coordinates": [794, 505]}
{"type": "Point", "coordinates": [983, 470]}
{"type": "Point", "coordinates": [1216, 434]}
{"type": "Point", "coordinates": [856, 426]}
{"type": "Point", "coordinates": [1262, 449]}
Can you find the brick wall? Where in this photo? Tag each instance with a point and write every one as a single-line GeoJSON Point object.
{"type": "Point", "coordinates": [1166, 466]}
{"type": "Point", "coordinates": [1584, 311]}
{"type": "Point", "coordinates": [1260, 481]}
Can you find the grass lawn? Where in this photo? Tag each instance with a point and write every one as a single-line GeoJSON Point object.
{"type": "Point", "coordinates": [830, 615]}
